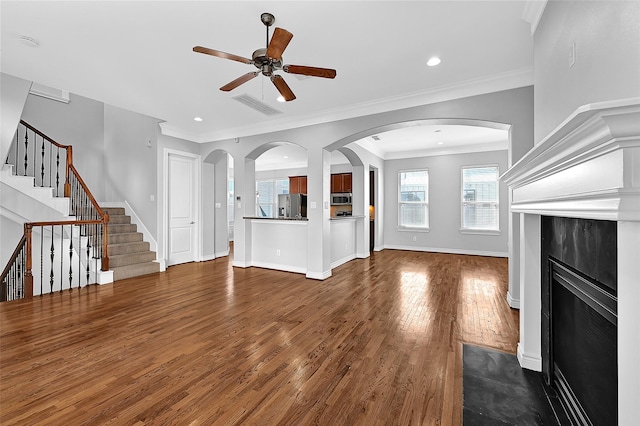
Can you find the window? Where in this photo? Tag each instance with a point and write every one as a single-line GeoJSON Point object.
{"type": "Point", "coordinates": [413, 199]}
{"type": "Point", "coordinates": [480, 194]}
{"type": "Point", "coordinates": [267, 196]}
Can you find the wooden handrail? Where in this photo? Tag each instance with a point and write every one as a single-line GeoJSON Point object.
{"type": "Point", "coordinates": [87, 195]}
{"type": "Point", "coordinates": [12, 259]}
{"type": "Point", "coordinates": [103, 215]}
{"type": "Point", "coordinates": [101, 212]}
{"type": "Point", "coordinates": [39, 133]}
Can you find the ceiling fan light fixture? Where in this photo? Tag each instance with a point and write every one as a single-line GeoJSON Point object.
{"type": "Point", "coordinates": [281, 99]}
{"type": "Point", "coordinates": [433, 61]}
{"type": "Point", "coordinates": [197, 119]}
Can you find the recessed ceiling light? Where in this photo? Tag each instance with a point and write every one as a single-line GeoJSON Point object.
{"type": "Point", "coordinates": [197, 118]}
{"type": "Point", "coordinates": [440, 143]}
{"type": "Point", "coordinates": [28, 41]}
{"type": "Point", "coordinates": [286, 156]}
{"type": "Point", "coordinates": [280, 99]}
{"type": "Point", "coordinates": [433, 61]}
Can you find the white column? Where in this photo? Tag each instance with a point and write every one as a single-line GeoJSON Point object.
{"type": "Point", "coordinates": [628, 323]}
{"type": "Point", "coordinates": [513, 293]}
{"type": "Point", "coordinates": [318, 228]}
{"type": "Point", "coordinates": [245, 190]}
{"type": "Point", "coordinates": [360, 185]}
{"type": "Point", "coordinates": [529, 347]}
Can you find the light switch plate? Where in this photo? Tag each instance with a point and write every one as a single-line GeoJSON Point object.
{"type": "Point", "coordinates": [313, 205]}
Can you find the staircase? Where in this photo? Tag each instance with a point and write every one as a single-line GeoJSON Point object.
{"type": "Point", "coordinates": [129, 255]}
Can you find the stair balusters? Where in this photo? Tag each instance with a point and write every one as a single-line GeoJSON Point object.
{"type": "Point", "coordinates": [91, 225]}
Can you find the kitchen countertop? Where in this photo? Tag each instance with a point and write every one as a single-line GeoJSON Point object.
{"type": "Point", "coordinates": [357, 216]}
{"type": "Point", "coordinates": [303, 219]}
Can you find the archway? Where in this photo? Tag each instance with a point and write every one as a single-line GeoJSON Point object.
{"type": "Point", "coordinates": [218, 205]}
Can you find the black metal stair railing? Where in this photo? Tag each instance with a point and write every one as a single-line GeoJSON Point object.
{"type": "Point", "coordinates": [51, 165]}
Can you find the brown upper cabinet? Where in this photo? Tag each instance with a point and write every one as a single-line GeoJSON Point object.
{"type": "Point", "coordinates": [297, 184]}
{"type": "Point", "coordinates": [341, 182]}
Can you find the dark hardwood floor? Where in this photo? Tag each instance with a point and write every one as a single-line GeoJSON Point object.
{"type": "Point", "coordinates": [380, 342]}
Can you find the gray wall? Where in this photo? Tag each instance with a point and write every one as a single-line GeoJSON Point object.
{"type": "Point", "coordinates": [79, 123]}
{"type": "Point", "coordinates": [444, 205]}
{"type": "Point", "coordinates": [13, 95]}
{"type": "Point", "coordinates": [607, 67]}
{"type": "Point", "coordinates": [130, 170]}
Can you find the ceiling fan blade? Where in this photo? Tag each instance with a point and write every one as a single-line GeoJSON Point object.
{"type": "Point", "coordinates": [238, 81]}
{"type": "Point", "coordinates": [223, 55]}
{"type": "Point", "coordinates": [283, 87]}
{"type": "Point", "coordinates": [311, 71]}
{"type": "Point", "coordinates": [278, 43]}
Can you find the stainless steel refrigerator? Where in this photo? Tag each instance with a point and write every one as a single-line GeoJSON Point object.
{"type": "Point", "coordinates": [292, 206]}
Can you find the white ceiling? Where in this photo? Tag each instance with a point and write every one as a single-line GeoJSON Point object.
{"type": "Point", "coordinates": [138, 56]}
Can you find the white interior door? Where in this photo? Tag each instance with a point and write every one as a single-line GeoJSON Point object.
{"type": "Point", "coordinates": [182, 203]}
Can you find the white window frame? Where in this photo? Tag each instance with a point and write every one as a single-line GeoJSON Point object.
{"type": "Point", "coordinates": [482, 231]}
{"type": "Point", "coordinates": [274, 202]}
{"type": "Point", "coordinates": [402, 227]}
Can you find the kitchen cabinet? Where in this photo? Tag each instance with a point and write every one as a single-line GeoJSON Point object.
{"type": "Point", "coordinates": [341, 182]}
{"type": "Point", "coordinates": [297, 184]}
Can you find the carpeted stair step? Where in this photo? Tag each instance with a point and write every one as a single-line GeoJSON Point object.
{"type": "Point", "coordinates": [130, 237]}
{"type": "Point", "coordinates": [131, 258]}
{"type": "Point", "coordinates": [113, 211]}
{"type": "Point", "coordinates": [130, 271]}
{"type": "Point", "coordinates": [128, 247]}
{"type": "Point", "coordinates": [123, 228]}
{"type": "Point", "coordinates": [119, 219]}
{"type": "Point", "coordinates": [129, 255]}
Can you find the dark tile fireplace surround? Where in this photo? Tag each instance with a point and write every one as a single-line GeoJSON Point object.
{"type": "Point", "coordinates": [579, 316]}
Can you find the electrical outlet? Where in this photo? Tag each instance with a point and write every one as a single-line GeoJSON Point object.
{"type": "Point", "coordinates": [278, 252]}
{"type": "Point", "coordinates": [414, 238]}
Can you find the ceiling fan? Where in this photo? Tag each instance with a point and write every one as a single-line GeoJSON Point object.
{"type": "Point", "coordinates": [268, 60]}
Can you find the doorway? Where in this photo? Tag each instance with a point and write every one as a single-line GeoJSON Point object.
{"type": "Point", "coordinates": [182, 187]}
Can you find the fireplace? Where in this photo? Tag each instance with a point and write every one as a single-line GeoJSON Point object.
{"type": "Point", "coordinates": [574, 268]}
{"type": "Point", "coordinates": [579, 316]}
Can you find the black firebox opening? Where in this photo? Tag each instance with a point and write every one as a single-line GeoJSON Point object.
{"type": "Point", "coordinates": [579, 316]}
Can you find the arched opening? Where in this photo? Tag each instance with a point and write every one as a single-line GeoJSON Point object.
{"type": "Point", "coordinates": [218, 227]}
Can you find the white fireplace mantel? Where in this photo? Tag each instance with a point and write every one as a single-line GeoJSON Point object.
{"type": "Point", "coordinates": [588, 167]}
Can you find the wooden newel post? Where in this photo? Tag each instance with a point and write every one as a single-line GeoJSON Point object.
{"type": "Point", "coordinates": [28, 276]}
{"type": "Point", "coordinates": [105, 243]}
{"type": "Point", "coordinates": [67, 182]}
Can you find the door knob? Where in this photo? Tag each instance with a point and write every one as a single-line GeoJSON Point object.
{"type": "Point", "coordinates": [192, 222]}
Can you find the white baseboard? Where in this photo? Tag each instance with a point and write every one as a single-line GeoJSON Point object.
{"type": "Point", "coordinates": [319, 276]}
{"type": "Point", "coordinates": [239, 264]}
{"type": "Point", "coordinates": [224, 253]}
{"type": "Point", "coordinates": [280, 267]}
{"type": "Point", "coordinates": [104, 277]}
{"type": "Point", "coordinates": [449, 251]}
{"type": "Point", "coordinates": [342, 261]}
{"type": "Point", "coordinates": [363, 255]}
{"type": "Point", "coordinates": [514, 303]}
{"type": "Point", "coordinates": [162, 263]}
{"type": "Point", "coordinates": [529, 361]}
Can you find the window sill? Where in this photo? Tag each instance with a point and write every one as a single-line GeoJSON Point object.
{"type": "Point", "coordinates": [409, 229]}
{"type": "Point", "coordinates": [480, 231]}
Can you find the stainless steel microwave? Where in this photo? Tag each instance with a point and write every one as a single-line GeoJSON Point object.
{"type": "Point", "coordinates": [341, 199]}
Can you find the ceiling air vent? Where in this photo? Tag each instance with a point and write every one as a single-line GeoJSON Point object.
{"type": "Point", "coordinates": [50, 92]}
{"type": "Point", "coordinates": [375, 137]}
{"type": "Point", "coordinates": [256, 104]}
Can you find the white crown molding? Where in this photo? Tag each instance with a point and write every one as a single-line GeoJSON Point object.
{"type": "Point", "coordinates": [495, 83]}
{"type": "Point", "coordinates": [587, 167]}
{"type": "Point", "coordinates": [532, 13]}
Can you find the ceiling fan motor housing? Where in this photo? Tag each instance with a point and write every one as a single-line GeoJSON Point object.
{"type": "Point", "coordinates": [264, 63]}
